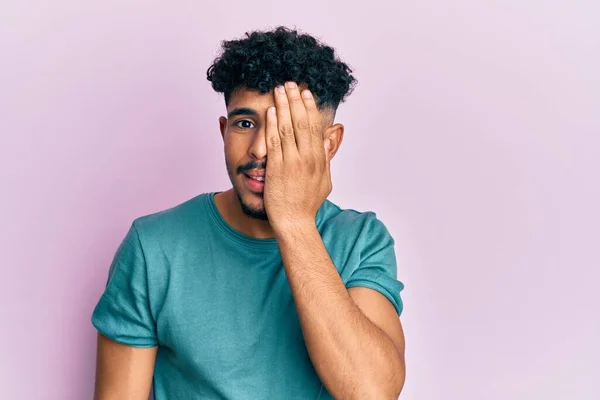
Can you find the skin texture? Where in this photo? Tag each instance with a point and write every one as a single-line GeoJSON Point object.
{"type": "Point", "coordinates": [354, 336]}
{"type": "Point", "coordinates": [123, 372]}
{"type": "Point", "coordinates": [244, 138]}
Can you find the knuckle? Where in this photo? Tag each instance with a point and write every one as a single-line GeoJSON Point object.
{"type": "Point", "coordinates": [274, 142]}
{"type": "Point", "coordinates": [286, 130]}
{"type": "Point", "coordinates": [303, 124]}
{"type": "Point", "coordinates": [315, 129]}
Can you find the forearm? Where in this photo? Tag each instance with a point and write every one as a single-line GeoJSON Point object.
{"type": "Point", "coordinates": [353, 357]}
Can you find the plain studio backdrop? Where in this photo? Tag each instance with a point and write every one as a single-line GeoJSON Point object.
{"type": "Point", "coordinates": [473, 133]}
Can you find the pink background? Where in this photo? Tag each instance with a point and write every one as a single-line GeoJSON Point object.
{"type": "Point", "coordinates": [473, 134]}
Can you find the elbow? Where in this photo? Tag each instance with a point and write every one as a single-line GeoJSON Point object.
{"type": "Point", "coordinates": [399, 377]}
{"type": "Point", "coordinates": [391, 391]}
{"type": "Point", "coordinates": [393, 388]}
{"type": "Point", "coordinates": [389, 385]}
{"type": "Point", "coordinates": [396, 388]}
{"type": "Point", "coordinates": [384, 388]}
{"type": "Point", "coordinates": [398, 381]}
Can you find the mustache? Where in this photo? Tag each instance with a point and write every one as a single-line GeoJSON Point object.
{"type": "Point", "coordinates": [251, 165]}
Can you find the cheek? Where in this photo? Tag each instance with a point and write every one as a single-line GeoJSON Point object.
{"type": "Point", "coordinates": [236, 146]}
{"type": "Point", "coordinates": [236, 150]}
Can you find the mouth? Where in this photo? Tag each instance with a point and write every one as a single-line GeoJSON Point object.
{"type": "Point", "coordinates": [255, 182]}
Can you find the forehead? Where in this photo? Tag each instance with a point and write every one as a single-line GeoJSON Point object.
{"type": "Point", "coordinates": [250, 98]}
{"type": "Point", "coordinates": [260, 102]}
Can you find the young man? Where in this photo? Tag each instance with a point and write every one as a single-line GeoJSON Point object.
{"type": "Point", "coordinates": [267, 290]}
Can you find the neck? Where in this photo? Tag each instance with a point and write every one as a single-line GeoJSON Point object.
{"type": "Point", "coordinates": [230, 209]}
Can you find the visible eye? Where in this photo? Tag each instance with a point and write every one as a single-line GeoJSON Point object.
{"type": "Point", "coordinates": [244, 124]}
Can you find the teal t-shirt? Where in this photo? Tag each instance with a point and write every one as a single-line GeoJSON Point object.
{"type": "Point", "coordinates": [217, 303]}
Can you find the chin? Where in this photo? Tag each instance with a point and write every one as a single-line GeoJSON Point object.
{"type": "Point", "coordinates": [252, 204]}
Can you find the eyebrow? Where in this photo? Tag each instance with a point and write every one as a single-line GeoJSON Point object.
{"type": "Point", "coordinates": [242, 111]}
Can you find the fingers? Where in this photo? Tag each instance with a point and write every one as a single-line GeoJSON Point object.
{"type": "Point", "coordinates": [273, 139]}
{"type": "Point", "coordinates": [285, 125]}
{"type": "Point", "coordinates": [315, 129]}
{"type": "Point", "coordinates": [300, 120]}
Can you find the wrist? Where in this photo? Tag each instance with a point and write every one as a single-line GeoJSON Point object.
{"type": "Point", "coordinates": [294, 227]}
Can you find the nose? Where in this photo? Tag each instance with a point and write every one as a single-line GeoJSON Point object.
{"type": "Point", "coordinates": [258, 146]}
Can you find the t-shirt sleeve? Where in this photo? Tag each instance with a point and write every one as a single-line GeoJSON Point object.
{"type": "Point", "coordinates": [377, 268]}
{"type": "Point", "coordinates": [123, 311]}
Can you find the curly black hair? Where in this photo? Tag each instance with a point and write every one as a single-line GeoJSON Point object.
{"type": "Point", "coordinates": [264, 59]}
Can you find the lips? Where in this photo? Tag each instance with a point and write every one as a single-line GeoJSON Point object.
{"type": "Point", "coordinates": [256, 177]}
{"type": "Point", "coordinates": [255, 180]}
{"type": "Point", "coordinates": [255, 173]}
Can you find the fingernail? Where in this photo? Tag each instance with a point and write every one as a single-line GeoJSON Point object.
{"type": "Point", "coordinates": [306, 94]}
{"type": "Point", "coordinates": [272, 111]}
{"type": "Point", "coordinates": [280, 89]}
{"type": "Point", "coordinates": [291, 85]}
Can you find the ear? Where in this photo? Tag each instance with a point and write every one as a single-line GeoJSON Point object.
{"type": "Point", "coordinates": [335, 134]}
{"type": "Point", "coordinates": [223, 126]}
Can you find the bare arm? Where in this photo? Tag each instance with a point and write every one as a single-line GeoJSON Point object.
{"type": "Point", "coordinates": [357, 353]}
{"type": "Point", "coordinates": [123, 372]}
{"type": "Point", "coordinates": [354, 337]}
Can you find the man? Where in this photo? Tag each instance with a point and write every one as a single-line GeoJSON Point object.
{"type": "Point", "coordinates": [267, 290]}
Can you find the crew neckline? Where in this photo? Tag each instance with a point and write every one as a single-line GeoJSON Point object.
{"type": "Point", "coordinates": [234, 234]}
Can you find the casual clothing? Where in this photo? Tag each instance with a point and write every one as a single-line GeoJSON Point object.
{"type": "Point", "coordinates": [218, 304]}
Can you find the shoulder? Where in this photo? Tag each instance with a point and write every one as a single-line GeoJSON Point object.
{"type": "Point", "coordinates": [348, 221]}
{"type": "Point", "coordinates": [172, 221]}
